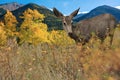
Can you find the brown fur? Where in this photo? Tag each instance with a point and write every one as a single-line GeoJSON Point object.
{"type": "Point", "coordinates": [102, 25]}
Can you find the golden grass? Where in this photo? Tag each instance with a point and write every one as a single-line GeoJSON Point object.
{"type": "Point", "coordinates": [48, 62]}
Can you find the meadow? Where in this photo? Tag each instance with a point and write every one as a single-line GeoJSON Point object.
{"type": "Point", "coordinates": [50, 62]}
{"type": "Point", "coordinates": [56, 57]}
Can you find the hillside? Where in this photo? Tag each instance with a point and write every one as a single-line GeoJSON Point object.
{"type": "Point", "coordinates": [2, 12]}
{"type": "Point", "coordinates": [101, 10]}
{"type": "Point", "coordinates": [79, 15]}
{"type": "Point", "coordinates": [50, 19]}
{"type": "Point", "coordinates": [10, 6]}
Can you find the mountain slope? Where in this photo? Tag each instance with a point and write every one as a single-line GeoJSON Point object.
{"type": "Point", "coordinates": [101, 10]}
{"type": "Point", "coordinates": [79, 15]}
{"type": "Point", "coordinates": [50, 19]}
{"type": "Point", "coordinates": [2, 12]}
{"type": "Point", "coordinates": [10, 6]}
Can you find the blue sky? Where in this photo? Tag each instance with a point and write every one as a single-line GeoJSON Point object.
{"type": "Point", "coordinates": [67, 6]}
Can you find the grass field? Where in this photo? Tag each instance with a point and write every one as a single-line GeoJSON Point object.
{"type": "Point", "coordinates": [49, 62]}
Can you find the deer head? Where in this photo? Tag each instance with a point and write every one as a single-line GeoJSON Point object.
{"type": "Point", "coordinates": [66, 20]}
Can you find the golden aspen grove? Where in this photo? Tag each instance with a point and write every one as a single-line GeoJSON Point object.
{"type": "Point", "coordinates": [34, 53]}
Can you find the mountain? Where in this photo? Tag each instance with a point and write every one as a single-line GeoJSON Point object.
{"type": "Point", "coordinates": [50, 19]}
{"type": "Point", "coordinates": [79, 15]}
{"type": "Point", "coordinates": [101, 10]}
{"type": "Point", "coordinates": [2, 12]}
{"type": "Point", "coordinates": [10, 6]}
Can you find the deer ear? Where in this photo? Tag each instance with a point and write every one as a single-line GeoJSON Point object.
{"type": "Point", "coordinates": [57, 13]}
{"type": "Point", "coordinates": [73, 14]}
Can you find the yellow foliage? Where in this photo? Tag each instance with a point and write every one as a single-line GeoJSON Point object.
{"type": "Point", "coordinates": [10, 23]}
{"type": "Point", "coordinates": [111, 78]}
{"type": "Point", "coordinates": [32, 29]}
{"type": "Point", "coordinates": [3, 36]}
{"type": "Point", "coordinates": [33, 15]}
{"type": "Point", "coordinates": [60, 38]}
{"type": "Point", "coordinates": [8, 28]}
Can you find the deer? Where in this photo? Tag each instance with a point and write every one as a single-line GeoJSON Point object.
{"type": "Point", "coordinates": [102, 26]}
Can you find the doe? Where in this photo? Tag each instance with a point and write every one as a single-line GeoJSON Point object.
{"type": "Point", "coordinates": [102, 25]}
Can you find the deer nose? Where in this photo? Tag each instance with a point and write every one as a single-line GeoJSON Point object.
{"type": "Point", "coordinates": [64, 24]}
{"type": "Point", "coordinates": [70, 33]}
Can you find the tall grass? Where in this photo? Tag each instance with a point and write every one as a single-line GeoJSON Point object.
{"type": "Point", "coordinates": [48, 62]}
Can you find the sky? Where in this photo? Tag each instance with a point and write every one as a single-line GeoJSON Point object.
{"type": "Point", "coordinates": [68, 6]}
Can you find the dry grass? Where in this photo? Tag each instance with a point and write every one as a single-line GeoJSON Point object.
{"type": "Point", "coordinates": [48, 62]}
